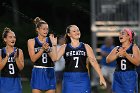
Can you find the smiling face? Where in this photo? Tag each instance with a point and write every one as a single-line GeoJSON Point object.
{"type": "Point", "coordinates": [124, 36]}
{"type": "Point", "coordinates": [43, 30]}
{"type": "Point", "coordinates": [10, 39]}
{"type": "Point", "coordinates": [74, 32]}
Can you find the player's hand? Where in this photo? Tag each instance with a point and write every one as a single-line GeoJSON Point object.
{"type": "Point", "coordinates": [7, 54]}
{"type": "Point", "coordinates": [122, 52]}
{"type": "Point", "coordinates": [45, 46]}
{"type": "Point", "coordinates": [103, 83]}
{"type": "Point", "coordinates": [16, 54]}
{"type": "Point", "coordinates": [53, 39]}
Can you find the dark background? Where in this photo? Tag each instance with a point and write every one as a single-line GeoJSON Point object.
{"type": "Point", "coordinates": [19, 14]}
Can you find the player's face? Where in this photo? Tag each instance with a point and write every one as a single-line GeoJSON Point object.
{"type": "Point", "coordinates": [123, 36]}
{"type": "Point", "coordinates": [10, 40]}
{"type": "Point", "coordinates": [74, 32]}
{"type": "Point", "coordinates": [43, 30]}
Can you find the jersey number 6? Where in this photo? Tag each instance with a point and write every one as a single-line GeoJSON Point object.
{"type": "Point", "coordinates": [123, 64]}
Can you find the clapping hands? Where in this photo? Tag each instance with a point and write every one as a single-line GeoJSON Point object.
{"type": "Point", "coordinates": [121, 52]}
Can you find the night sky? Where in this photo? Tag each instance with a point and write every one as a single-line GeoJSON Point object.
{"type": "Point", "coordinates": [19, 15]}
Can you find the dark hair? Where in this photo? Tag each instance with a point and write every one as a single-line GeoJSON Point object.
{"type": "Point", "coordinates": [68, 40]}
{"type": "Point", "coordinates": [38, 22]}
{"type": "Point", "coordinates": [5, 32]}
{"type": "Point", "coordinates": [133, 37]}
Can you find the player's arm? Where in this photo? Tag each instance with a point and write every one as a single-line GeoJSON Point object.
{"type": "Point", "coordinates": [53, 52]}
{"type": "Point", "coordinates": [61, 51]}
{"type": "Point", "coordinates": [87, 65]}
{"type": "Point", "coordinates": [31, 50]}
{"type": "Point", "coordinates": [19, 59]}
{"type": "Point", "coordinates": [94, 63]}
{"type": "Point", "coordinates": [3, 61]}
{"type": "Point", "coordinates": [135, 58]}
{"type": "Point", "coordinates": [112, 55]}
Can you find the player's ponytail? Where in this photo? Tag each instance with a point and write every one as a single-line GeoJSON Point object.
{"type": "Point", "coordinates": [38, 22]}
{"type": "Point", "coordinates": [68, 40]}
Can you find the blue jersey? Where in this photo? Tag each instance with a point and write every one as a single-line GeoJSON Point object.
{"type": "Point", "coordinates": [43, 75]}
{"type": "Point", "coordinates": [103, 60]}
{"type": "Point", "coordinates": [76, 79]}
{"type": "Point", "coordinates": [10, 69]}
{"type": "Point", "coordinates": [75, 58]}
{"type": "Point", "coordinates": [44, 60]}
{"type": "Point", "coordinates": [125, 77]}
{"type": "Point", "coordinates": [123, 64]}
{"type": "Point", "coordinates": [10, 81]}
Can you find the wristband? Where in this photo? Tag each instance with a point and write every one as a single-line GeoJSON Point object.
{"type": "Point", "coordinates": [54, 45]}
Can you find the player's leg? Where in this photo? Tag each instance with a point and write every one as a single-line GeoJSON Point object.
{"type": "Point", "coordinates": [59, 77]}
{"type": "Point", "coordinates": [58, 87]}
{"type": "Point", "coordinates": [36, 91]}
{"type": "Point", "coordinates": [50, 91]}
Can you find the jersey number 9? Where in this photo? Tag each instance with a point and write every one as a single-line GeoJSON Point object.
{"type": "Point", "coordinates": [11, 68]}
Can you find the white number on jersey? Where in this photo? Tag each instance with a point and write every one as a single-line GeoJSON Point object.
{"type": "Point", "coordinates": [123, 64]}
{"type": "Point", "coordinates": [44, 58]}
{"type": "Point", "coordinates": [77, 60]}
{"type": "Point", "coordinates": [11, 68]}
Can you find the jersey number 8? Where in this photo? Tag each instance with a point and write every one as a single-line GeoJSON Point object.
{"type": "Point", "coordinates": [44, 58]}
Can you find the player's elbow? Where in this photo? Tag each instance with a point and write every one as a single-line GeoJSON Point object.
{"type": "Point", "coordinates": [33, 60]}
{"type": "Point", "coordinates": [137, 63]}
{"type": "Point", "coordinates": [21, 68]}
{"type": "Point", "coordinates": [1, 67]}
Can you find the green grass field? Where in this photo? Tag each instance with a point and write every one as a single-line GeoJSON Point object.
{"type": "Point", "coordinates": [26, 87]}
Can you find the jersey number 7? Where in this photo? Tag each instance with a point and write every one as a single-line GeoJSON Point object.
{"type": "Point", "coordinates": [77, 61]}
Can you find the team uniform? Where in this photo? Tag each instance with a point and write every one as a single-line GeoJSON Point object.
{"type": "Point", "coordinates": [76, 78]}
{"type": "Point", "coordinates": [43, 75]}
{"type": "Point", "coordinates": [125, 75]}
{"type": "Point", "coordinates": [10, 81]}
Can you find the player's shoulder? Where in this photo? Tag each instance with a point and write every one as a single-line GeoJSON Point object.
{"type": "Point", "coordinates": [32, 40]}
{"type": "Point", "coordinates": [87, 45]}
{"type": "Point", "coordinates": [135, 46]}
